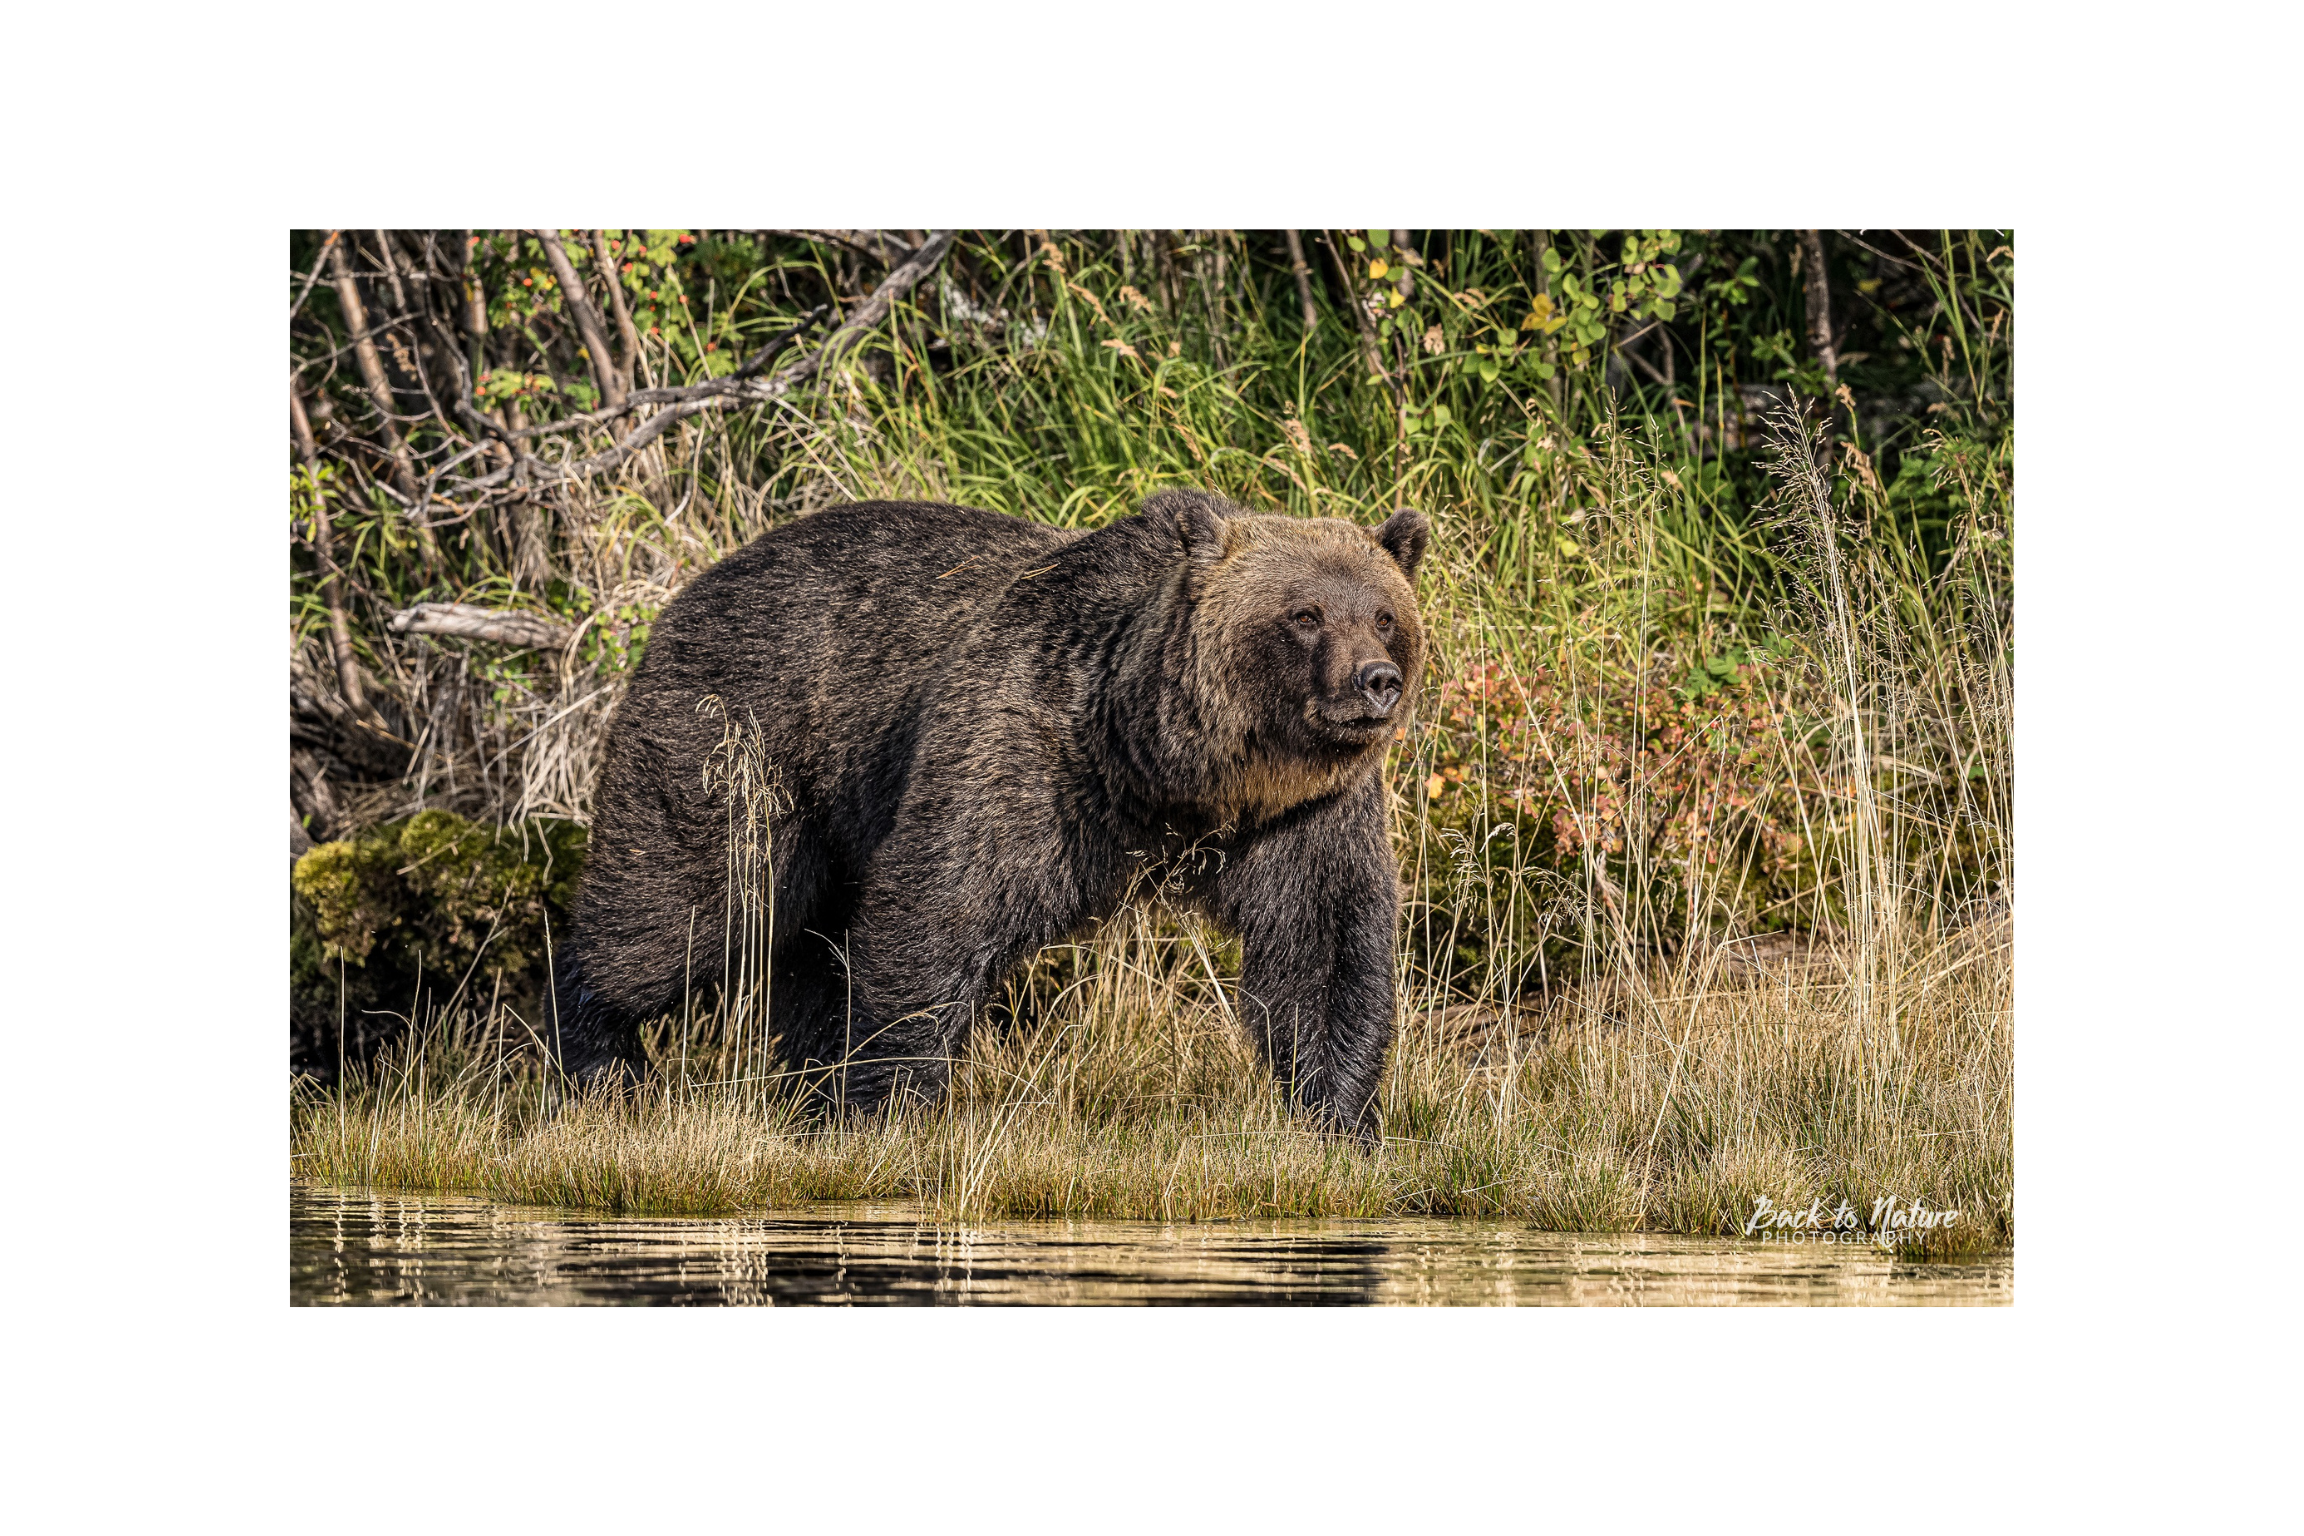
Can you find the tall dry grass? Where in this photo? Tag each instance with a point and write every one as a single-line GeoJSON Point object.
{"type": "Point", "coordinates": [1136, 1097]}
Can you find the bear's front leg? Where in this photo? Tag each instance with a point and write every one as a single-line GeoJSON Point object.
{"type": "Point", "coordinates": [1315, 900]}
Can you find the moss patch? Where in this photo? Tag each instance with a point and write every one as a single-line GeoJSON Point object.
{"type": "Point", "coordinates": [396, 919]}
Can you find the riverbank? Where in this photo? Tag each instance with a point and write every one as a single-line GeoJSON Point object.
{"type": "Point", "coordinates": [1673, 1104]}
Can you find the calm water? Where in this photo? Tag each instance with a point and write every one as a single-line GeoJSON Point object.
{"type": "Point", "coordinates": [362, 1248]}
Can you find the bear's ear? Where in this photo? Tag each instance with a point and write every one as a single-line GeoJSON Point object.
{"type": "Point", "coordinates": [1404, 535]}
{"type": "Point", "coordinates": [1198, 520]}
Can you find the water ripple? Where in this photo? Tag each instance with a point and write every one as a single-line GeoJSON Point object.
{"type": "Point", "coordinates": [367, 1248]}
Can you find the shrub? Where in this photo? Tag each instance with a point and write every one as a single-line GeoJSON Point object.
{"type": "Point", "coordinates": [399, 918]}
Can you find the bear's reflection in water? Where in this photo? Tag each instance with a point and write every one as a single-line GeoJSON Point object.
{"type": "Point", "coordinates": [363, 1247]}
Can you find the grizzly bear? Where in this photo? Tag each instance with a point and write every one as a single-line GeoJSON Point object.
{"type": "Point", "coordinates": [983, 733]}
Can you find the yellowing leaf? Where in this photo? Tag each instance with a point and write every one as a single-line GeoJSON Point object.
{"type": "Point", "coordinates": [1378, 268]}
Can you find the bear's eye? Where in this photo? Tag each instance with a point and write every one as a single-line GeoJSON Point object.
{"type": "Point", "coordinates": [1306, 618]}
{"type": "Point", "coordinates": [1384, 623]}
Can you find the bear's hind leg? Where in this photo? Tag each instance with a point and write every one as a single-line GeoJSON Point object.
{"type": "Point", "coordinates": [808, 997]}
{"type": "Point", "coordinates": [596, 1040]}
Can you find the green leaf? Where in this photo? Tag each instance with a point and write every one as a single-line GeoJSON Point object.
{"type": "Point", "coordinates": [1379, 237]}
{"type": "Point", "coordinates": [1355, 242]}
{"type": "Point", "coordinates": [1551, 261]}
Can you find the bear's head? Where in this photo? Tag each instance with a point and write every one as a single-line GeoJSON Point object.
{"type": "Point", "coordinates": [1308, 645]}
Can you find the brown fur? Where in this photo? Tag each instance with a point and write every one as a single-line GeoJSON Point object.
{"type": "Point", "coordinates": [1264, 556]}
{"type": "Point", "coordinates": [990, 732]}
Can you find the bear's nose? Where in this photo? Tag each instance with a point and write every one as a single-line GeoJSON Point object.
{"type": "Point", "coordinates": [1380, 684]}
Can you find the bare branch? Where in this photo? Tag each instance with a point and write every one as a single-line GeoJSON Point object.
{"type": "Point", "coordinates": [630, 363]}
{"type": "Point", "coordinates": [1303, 270]}
{"type": "Point", "coordinates": [414, 315]}
{"type": "Point", "coordinates": [371, 367]}
{"type": "Point", "coordinates": [503, 626]}
{"type": "Point", "coordinates": [586, 315]}
{"type": "Point", "coordinates": [778, 342]}
{"type": "Point", "coordinates": [313, 276]}
{"type": "Point", "coordinates": [733, 389]}
{"type": "Point", "coordinates": [348, 678]}
{"type": "Point", "coordinates": [1819, 293]}
{"type": "Point", "coordinates": [875, 243]}
{"type": "Point", "coordinates": [1860, 241]}
{"type": "Point", "coordinates": [1367, 327]}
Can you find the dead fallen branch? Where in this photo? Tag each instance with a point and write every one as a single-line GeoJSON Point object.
{"type": "Point", "coordinates": [472, 623]}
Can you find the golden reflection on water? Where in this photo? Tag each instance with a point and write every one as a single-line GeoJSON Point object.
{"type": "Point", "coordinates": [363, 1247]}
